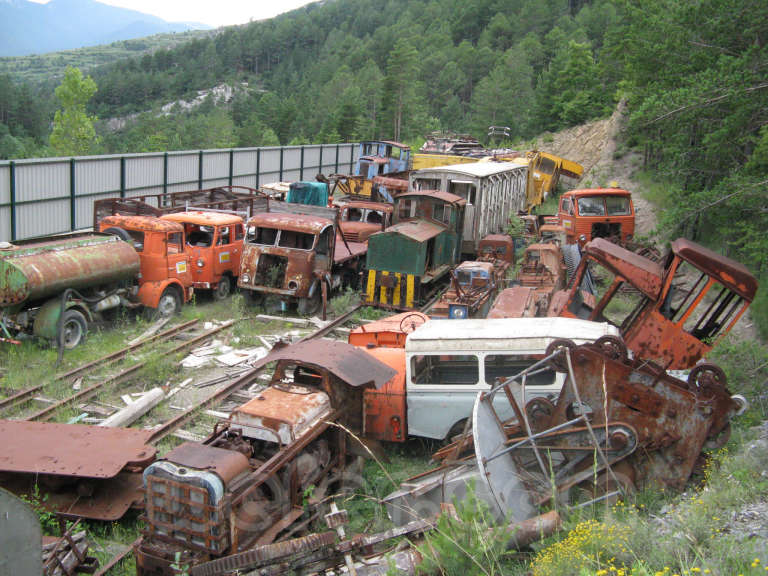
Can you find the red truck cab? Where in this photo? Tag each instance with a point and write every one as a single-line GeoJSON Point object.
{"type": "Point", "coordinates": [165, 270]}
{"type": "Point", "coordinates": [359, 219]}
{"type": "Point", "coordinates": [214, 242]}
{"type": "Point", "coordinates": [597, 213]}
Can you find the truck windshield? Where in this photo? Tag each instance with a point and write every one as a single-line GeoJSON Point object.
{"type": "Point", "coordinates": [261, 235]}
{"type": "Point", "coordinates": [591, 206]}
{"type": "Point", "coordinates": [299, 240]}
{"type": "Point", "coordinates": [617, 205]}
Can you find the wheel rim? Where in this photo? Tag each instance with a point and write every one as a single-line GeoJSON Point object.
{"type": "Point", "coordinates": [222, 288]}
{"type": "Point", "coordinates": [72, 333]}
{"type": "Point", "coordinates": [167, 305]}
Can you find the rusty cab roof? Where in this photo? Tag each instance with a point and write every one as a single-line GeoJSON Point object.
{"type": "Point", "coordinates": [476, 265]}
{"type": "Point", "coordinates": [143, 223]}
{"type": "Point", "coordinates": [365, 205]}
{"type": "Point", "coordinates": [642, 273]}
{"type": "Point", "coordinates": [446, 197]}
{"type": "Point", "coordinates": [392, 329]}
{"type": "Point", "coordinates": [348, 363]}
{"type": "Point", "coordinates": [204, 218]}
{"type": "Point", "coordinates": [293, 222]}
{"type": "Point", "coordinates": [543, 247]}
{"type": "Point", "coordinates": [728, 272]}
{"type": "Point", "coordinates": [597, 192]}
{"type": "Point", "coordinates": [419, 230]}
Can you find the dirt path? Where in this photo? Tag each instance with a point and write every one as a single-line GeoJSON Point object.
{"type": "Point", "coordinates": [593, 145]}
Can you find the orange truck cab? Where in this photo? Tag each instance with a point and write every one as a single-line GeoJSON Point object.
{"type": "Point", "coordinates": [214, 243]}
{"type": "Point", "coordinates": [165, 280]}
{"type": "Point", "coordinates": [597, 213]}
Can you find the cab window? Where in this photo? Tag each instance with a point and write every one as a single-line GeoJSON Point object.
{"type": "Point", "coordinates": [617, 205]}
{"type": "Point", "coordinates": [174, 245]}
{"type": "Point", "coordinates": [591, 206]}
{"type": "Point", "coordinates": [448, 369]}
{"type": "Point", "coordinates": [238, 232]}
{"type": "Point", "coordinates": [225, 236]}
{"type": "Point", "coordinates": [298, 240]}
{"type": "Point", "coordinates": [353, 215]}
{"type": "Point", "coordinates": [566, 206]}
{"type": "Point", "coordinates": [261, 235]}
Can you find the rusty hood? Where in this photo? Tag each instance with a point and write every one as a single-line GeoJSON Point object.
{"type": "Point", "coordinates": [350, 364]}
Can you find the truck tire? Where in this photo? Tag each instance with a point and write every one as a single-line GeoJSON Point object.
{"type": "Point", "coordinates": [73, 329]}
{"type": "Point", "coordinates": [223, 288]}
{"type": "Point", "coordinates": [119, 232]}
{"type": "Point", "coordinates": [169, 303]}
{"type": "Point", "coordinates": [572, 258]}
{"type": "Point", "coordinates": [310, 306]}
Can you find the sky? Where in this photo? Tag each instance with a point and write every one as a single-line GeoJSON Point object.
{"type": "Point", "coordinates": [212, 12]}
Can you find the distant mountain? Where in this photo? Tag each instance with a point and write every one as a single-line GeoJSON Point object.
{"type": "Point", "coordinates": [31, 28]}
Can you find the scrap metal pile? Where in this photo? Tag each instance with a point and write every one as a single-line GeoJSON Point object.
{"type": "Point", "coordinates": [618, 424]}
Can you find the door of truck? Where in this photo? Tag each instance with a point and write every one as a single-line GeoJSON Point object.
{"type": "Point", "coordinates": [177, 259]}
{"type": "Point", "coordinates": [228, 247]}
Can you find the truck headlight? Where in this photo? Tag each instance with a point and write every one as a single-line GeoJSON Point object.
{"type": "Point", "coordinates": [245, 278]}
{"type": "Point", "coordinates": [200, 263]}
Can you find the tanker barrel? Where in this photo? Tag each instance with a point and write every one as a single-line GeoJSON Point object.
{"type": "Point", "coordinates": [43, 269]}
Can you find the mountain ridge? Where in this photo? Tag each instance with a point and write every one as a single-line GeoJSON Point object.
{"type": "Point", "coordinates": [31, 28]}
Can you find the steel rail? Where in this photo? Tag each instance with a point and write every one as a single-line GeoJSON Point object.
{"type": "Point", "coordinates": [240, 382]}
{"type": "Point", "coordinates": [19, 397]}
{"type": "Point", "coordinates": [124, 351]}
{"type": "Point", "coordinates": [87, 392]}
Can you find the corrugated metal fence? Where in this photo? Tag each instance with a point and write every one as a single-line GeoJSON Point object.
{"type": "Point", "coordinates": [52, 195]}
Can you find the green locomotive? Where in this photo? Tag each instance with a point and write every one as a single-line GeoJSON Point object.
{"type": "Point", "coordinates": [406, 262]}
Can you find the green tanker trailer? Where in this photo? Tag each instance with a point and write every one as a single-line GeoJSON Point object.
{"type": "Point", "coordinates": [52, 288]}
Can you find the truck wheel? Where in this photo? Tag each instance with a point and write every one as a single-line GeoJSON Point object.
{"type": "Point", "coordinates": [169, 304]}
{"type": "Point", "coordinates": [73, 329]}
{"type": "Point", "coordinates": [223, 288]}
{"type": "Point", "coordinates": [310, 306]}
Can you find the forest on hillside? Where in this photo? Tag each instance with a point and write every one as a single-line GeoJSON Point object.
{"type": "Point", "coordinates": [692, 73]}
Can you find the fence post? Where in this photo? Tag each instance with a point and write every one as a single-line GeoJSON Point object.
{"type": "Point", "coordinates": [281, 163]}
{"type": "Point", "coordinates": [351, 158]}
{"type": "Point", "coordinates": [337, 159]}
{"type": "Point", "coordinates": [258, 166]}
{"type": "Point", "coordinates": [231, 164]}
{"type": "Point", "coordinates": [13, 200]}
{"type": "Point", "coordinates": [122, 176]}
{"type": "Point", "coordinates": [301, 164]}
{"type": "Point", "coordinates": [72, 203]}
{"type": "Point", "coordinates": [200, 170]}
{"type": "Point", "coordinates": [320, 168]}
{"type": "Point", "coordinates": [165, 173]}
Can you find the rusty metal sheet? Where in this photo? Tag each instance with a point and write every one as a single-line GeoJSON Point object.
{"type": "Point", "coordinates": [418, 230]}
{"type": "Point", "coordinates": [437, 194]}
{"type": "Point", "coordinates": [515, 302]}
{"type": "Point", "coordinates": [391, 183]}
{"type": "Point", "coordinates": [345, 361]}
{"type": "Point", "coordinates": [643, 274]}
{"type": "Point", "coordinates": [71, 449]}
{"type": "Point", "coordinates": [728, 272]}
{"type": "Point", "coordinates": [288, 412]}
{"type": "Point", "coordinates": [227, 464]}
{"type": "Point", "coordinates": [146, 223]}
{"type": "Point", "coordinates": [347, 250]}
{"type": "Point", "coordinates": [293, 222]}
{"type": "Point", "coordinates": [203, 218]}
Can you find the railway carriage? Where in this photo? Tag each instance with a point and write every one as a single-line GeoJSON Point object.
{"type": "Point", "coordinates": [492, 192]}
{"type": "Point", "coordinates": [406, 262]}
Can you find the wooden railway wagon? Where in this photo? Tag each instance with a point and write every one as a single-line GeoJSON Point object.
{"type": "Point", "coordinates": [492, 191]}
{"type": "Point", "coordinates": [406, 262]}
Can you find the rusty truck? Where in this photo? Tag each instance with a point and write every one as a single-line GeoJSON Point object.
{"type": "Point", "coordinates": [597, 213]}
{"type": "Point", "coordinates": [53, 287]}
{"type": "Point", "coordinates": [251, 479]}
{"type": "Point", "coordinates": [672, 311]}
{"type": "Point", "coordinates": [296, 253]}
{"type": "Point", "coordinates": [165, 280]}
